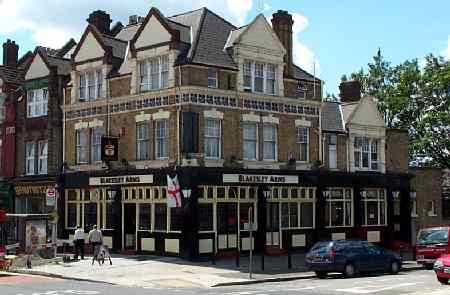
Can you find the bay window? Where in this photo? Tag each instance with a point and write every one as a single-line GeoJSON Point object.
{"type": "Point", "coordinates": [37, 103]}
{"type": "Point", "coordinates": [162, 139]}
{"type": "Point", "coordinates": [339, 208]}
{"type": "Point", "coordinates": [374, 202]}
{"type": "Point", "coordinates": [270, 142]}
{"type": "Point", "coordinates": [212, 138]}
{"type": "Point", "coordinates": [30, 150]}
{"type": "Point", "coordinates": [259, 77]}
{"type": "Point", "coordinates": [154, 73]}
{"type": "Point", "coordinates": [365, 151]}
{"type": "Point", "coordinates": [142, 141]}
{"type": "Point", "coordinates": [250, 137]}
{"type": "Point", "coordinates": [302, 140]}
{"type": "Point", "coordinates": [42, 156]}
{"type": "Point", "coordinates": [90, 85]}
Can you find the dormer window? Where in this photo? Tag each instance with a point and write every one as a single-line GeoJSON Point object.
{"type": "Point", "coordinates": [37, 101]}
{"type": "Point", "coordinates": [366, 153]}
{"type": "Point", "coordinates": [91, 84]}
{"type": "Point", "coordinates": [259, 77]}
{"type": "Point", "coordinates": [154, 73]}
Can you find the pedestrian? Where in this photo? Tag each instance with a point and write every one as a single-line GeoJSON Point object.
{"type": "Point", "coordinates": [78, 241]}
{"type": "Point", "coordinates": [96, 240]}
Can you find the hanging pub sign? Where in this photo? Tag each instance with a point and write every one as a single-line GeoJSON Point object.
{"type": "Point", "coordinates": [252, 178]}
{"type": "Point", "coordinates": [110, 149]}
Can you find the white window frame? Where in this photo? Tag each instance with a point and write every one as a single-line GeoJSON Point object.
{"type": "Point", "coordinates": [162, 138]}
{"type": "Point", "coordinates": [381, 198]}
{"type": "Point", "coordinates": [213, 78]}
{"type": "Point", "coordinates": [80, 148]}
{"type": "Point", "coordinates": [142, 141]}
{"type": "Point", "coordinates": [300, 141]}
{"type": "Point", "coordinates": [208, 137]}
{"type": "Point", "coordinates": [275, 142]}
{"type": "Point", "coordinates": [359, 148]}
{"type": "Point", "coordinates": [30, 158]}
{"type": "Point", "coordinates": [433, 211]}
{"type": "Point", "coordinates": [330, 200]}
{"type": "Point", "coordinates": [332, 147]}
{"type": "Point", "coordinates": [249, 71]}
{"type": "Point", "coordinates": [162, 73]}
{"type": "Point", "coordinates": [85, 84]}
{"type": "Point", "coordinates": [96, 143]}
{"type": "Point", "coordinates": [37, 103]}
{"type": "Point", "coordinates": [42, 157]}
{"type": "Point", "coordinates": [253, 140]}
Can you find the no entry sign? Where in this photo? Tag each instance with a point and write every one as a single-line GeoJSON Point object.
{"type": "Point", "coordinates": [50, 199]}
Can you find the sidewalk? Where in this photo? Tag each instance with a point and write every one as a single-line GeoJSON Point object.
{"type": "Point", "coordinates": [167, 272]}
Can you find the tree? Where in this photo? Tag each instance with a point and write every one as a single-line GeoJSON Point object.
{"type": "Point", "coordinates": [414, 99]}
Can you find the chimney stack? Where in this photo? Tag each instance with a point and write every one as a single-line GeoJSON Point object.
{"type": "Point", "coordinates": [282, 23]}
{"type": "Point", "coordinates": [10, 53]}
{"type": "Point", "coordinates": [101, 20]}
{"type": "Point", "coordinates": [350, 91]}
{"type": "Point", "coordinates": [133, 20]}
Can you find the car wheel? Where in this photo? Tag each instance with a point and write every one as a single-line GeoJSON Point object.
{"type": "Point", "coordinates": [321, 274]}
{"type": "Point", "coordinates": [349, 270]}
{"type": "Point", "coordinates": [429, 266]}
{"type": "Point", "coordinates": [395, 267]}
{"type": "Point", "coordinates": [443, 281]}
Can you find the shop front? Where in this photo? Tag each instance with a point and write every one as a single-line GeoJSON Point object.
{"type": "Point", "coordinates": [287, 210]}
{"type": "Point", "coordinates": [30, 196]}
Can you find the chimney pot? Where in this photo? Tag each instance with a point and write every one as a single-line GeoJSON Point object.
{"type": "Point", "coordinates": [133, 19]}
{"type": "Point", "coordinates": [10, 53]}
{"type": "Point", "coordinates": [350, 91]}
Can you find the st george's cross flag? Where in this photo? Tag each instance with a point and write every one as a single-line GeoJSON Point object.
{"type": "Point", "coordinates": [173, 192]}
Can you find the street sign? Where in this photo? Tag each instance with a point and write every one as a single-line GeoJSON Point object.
{"type": "Point", "coordinates": [50, 199]}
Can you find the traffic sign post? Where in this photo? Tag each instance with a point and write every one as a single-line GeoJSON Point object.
{"type": "Point", "coordinates": [250, 221]}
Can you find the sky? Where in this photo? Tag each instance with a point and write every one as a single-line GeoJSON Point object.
{"type": "Point", "coordinates": [331, 37]}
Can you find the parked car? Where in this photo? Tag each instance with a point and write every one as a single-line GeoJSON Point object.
{"type": "Point", "coordinates": [350, 257]}
{"type": "Point", "coordinates": [442, 269]}
{"type": "Point", "coordinates": [431, 244]}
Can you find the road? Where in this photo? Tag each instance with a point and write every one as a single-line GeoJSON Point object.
{"type": "Point", "coordinates": [411, 283]}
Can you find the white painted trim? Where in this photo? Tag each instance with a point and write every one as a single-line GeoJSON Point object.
{"type": "Point", "coordinates": [81, 125]}
{"type": "Point", "coordinates": [302, 123]}
{"type": "Point", "coordinates": [251, 118]}
{"type": "Point", "coordinates": [161, 115]}
{"type": "Point", "coordinates": [270, 120]}
{"type": "Point", "coordinates": [143, 117]}
{"type": "Point", "coordinates": [95, 123]}
{"type": "Point", "coordinates": [215, 114]}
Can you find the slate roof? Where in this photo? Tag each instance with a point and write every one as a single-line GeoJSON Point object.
{"type": "Point", "coordinates": [300, 74]}
{"type": "Point", "coordinates": [347, 109]}
{"type": "Point", "coordinates": [332, 117]}
{"type": "Point", "coordinates": [63, 65]}
{"type": "Point", "coordinates": [119, 47]}
{"type": "Point", "coordinates": [11, 75]}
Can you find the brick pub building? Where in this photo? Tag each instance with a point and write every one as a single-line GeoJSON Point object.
{"type": "Point", "coordinates": [226, 110]}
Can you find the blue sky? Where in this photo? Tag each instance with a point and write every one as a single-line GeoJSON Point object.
{"type": "Point", "coordinates": [341, 36]}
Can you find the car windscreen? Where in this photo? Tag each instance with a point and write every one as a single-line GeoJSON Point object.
{"type": "Point", "coordinates": [321, 248]}
{"type": "Point", "coordinates": [433, 236]}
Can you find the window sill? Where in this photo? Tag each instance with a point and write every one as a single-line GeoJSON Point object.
{"type": "Point", "coordinates": [214, 162]}
{"type": "Point", "coordinates": [261, 164]}
{"type": "Point", "coordinates": [339, 226]}
{"type": "Point", "coordinates": [148, 164]}
{"type": "Point", "coordinates": [373, 225]}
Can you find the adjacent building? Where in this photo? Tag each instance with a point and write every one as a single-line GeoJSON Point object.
{"type": "Point", "coordinates": [226, 110]}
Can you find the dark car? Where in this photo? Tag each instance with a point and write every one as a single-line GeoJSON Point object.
{"type": "Point", "coordinates": [351, 257]}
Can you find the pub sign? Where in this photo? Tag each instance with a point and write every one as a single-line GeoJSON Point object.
{"type": "Point", "coordinates": [110, 149]}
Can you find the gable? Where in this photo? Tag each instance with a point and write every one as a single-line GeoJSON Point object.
{"type": "Point", "coordinates": [367, 114]}
{"type": "Point", "coordinates": [37, 68]}
{"type": "Point", "coordinates": [260, 34]}
{"type": "Point", "coordinates": [153, 33]}
{"type": "Point", "coordinates": [90, 48]}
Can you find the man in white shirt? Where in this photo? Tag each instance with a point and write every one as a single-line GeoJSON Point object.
{"type": "Point", "coordinates": [96, 240]}
{"type": "Point", "coordinates": [78, 241]}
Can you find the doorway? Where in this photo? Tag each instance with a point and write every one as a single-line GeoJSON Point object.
{"type": "Point", "coordinates": [129, 225]}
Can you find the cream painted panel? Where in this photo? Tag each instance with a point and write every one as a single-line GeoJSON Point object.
{"type": "Point", "coordinates": [108, 241]}
{"type": "Point", "coordinates": [37, 69]}
{"type": "Point", "coordinates": [222, 242]}
{"type": "Point", "coordinates": [338, 236]}
{"type": "Point", "coordinates": [172, 245]}
{"type": "Point", "coordinates": [373, 236]}
{"type": "Point", "coordinates": [298, 240]}
{"type": "Point", "coordinates": [89, 49]}
{"type": "Point", "coordinates": [96, 65]}
{"type": "Point", "coordinates": [367, 114]}
{"type": "Point", "coordinates": [71, 237]}
{"type": "Point", "coordinates": [153, 33]}
{"type": "Point", "coordinates": [246, 243]}
{"type": "Point", "coordinates": [260, 34]}
{"type": "Point", "coordinates": [205, 246]}
{"type": "Point", "coordinates": [232, 241]}
{"type": "Point", "coordinates": [148, 244]}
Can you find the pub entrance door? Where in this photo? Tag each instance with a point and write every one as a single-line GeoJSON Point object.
{"type": "Point", "coordinates": [227, 225]}
{"type": "Point", "coordinates": [129, 230]}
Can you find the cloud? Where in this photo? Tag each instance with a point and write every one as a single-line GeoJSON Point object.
{"type": "Point", "coordinates": [446, 52]}
{"type": "Point", "coordinates": [52, 22]}
{"type": "Point", "coordinates": [303, 55]}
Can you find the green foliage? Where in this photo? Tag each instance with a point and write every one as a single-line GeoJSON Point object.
{"type": "Point", "coordinates": [416, 99]}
